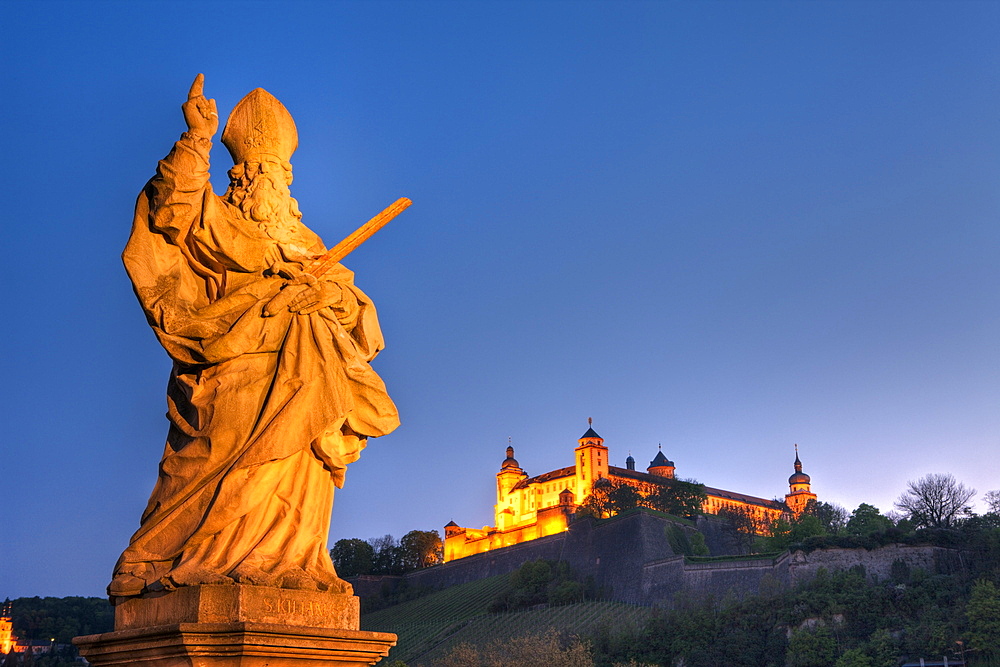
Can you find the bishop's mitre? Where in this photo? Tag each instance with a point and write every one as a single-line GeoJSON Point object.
{"type": "Point", "coordinates": [260, 127]}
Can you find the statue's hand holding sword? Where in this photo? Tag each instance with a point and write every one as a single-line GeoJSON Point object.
{"type": "Point", "coordinates": [322, 265]}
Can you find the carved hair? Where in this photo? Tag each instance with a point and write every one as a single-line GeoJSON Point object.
{"type": "Point", "coordinates": [260, 191]}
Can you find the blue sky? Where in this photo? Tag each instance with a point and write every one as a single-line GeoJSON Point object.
{"type": "Point", "coordinates": [724, 227]}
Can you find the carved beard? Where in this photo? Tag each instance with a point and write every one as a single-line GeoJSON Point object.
{"type": "Point", "coordinates": [265, 199]}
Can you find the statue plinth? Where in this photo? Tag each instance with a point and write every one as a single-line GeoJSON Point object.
{"type": "Point", "coordinates": [236, 626]}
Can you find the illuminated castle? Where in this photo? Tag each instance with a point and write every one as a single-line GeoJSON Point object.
{"type": "Point", "coordinates": [531, 507]}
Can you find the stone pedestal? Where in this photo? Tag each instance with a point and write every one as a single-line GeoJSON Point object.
{"type": "Point", "coordinates": [237, 626]}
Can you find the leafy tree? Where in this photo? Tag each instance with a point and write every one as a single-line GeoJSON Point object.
{"type": "Point", "coordinates": [598, 503]}
{"type": "Point", "coordinates": [352, 557]}
{"type": "Point", "coordinates": [866, 519]}
{"type": "Point", "coordinates": [936, 501]}
{"type": "Point", "coordinates": [420, 548]}
{"type": "Point", "coordinates": [855, 657]}
{"type": "Point", "coordinates": [387, 555]}
{"type": "Point", "coordinates": [882, 649]}
{"type": "Point", "coordinates": [698, 546]}
{"type": "Point", "coordinates": [744, 525]}
{"type": "Point", "coordinates": [983, 612]}
{"type": "Point", "coordinates": [60, 618]}
{"type": "Point", "coordinates": [811, 648]}
{"type": "Point", "coordinates": [543, 582]}
{"type": "Point", "coordinates": [678, 497]}
{"type": "Point", "coordinates": [832, 517]}
{"type": "Point", "coordinates": [623, 497]}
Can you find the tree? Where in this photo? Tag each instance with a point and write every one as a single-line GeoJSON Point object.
{"type": "Point", "coordinates": [936, 501]}
{"type": "Point", "coordinates": [992, 501]}
{"type": "Point", "coordinates": [866, 520]}
{"type": "Point", "coordinates": [854, 657]}
{"type": "Point", "coordinates": [744, 525]}
{"type": "Point", "coordinates": [387, 556]}
{"type": "Point", "coordinates": [811, 648]}
{"type": "Point", "coordinates": [784, 533]}
{"type": "Point", "coordinates": [420, 548]}
{"type": "Point", "coordinates": [678, 497]}
{"type": "Point", "coordinates": [831, 517]}
{"type": "Point", "coordinates": [598, 503]}
{"type": "Point", "coordinates": [983, 612]}
{"type": "Point", "coordinates": [352, 557]}
{"type": "Point", "coordinates": [623, 497]}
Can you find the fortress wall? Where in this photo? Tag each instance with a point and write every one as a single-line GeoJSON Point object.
{"type": "Point", "coordinates": [737, 579]}
{"type": "Point", "coordinates": [631, 558]}
{"type": "Point", "coordinates": [661, 579]}
{"type": "Point", "coordinates": [877, 562]}
{"type": "Point", "coordinates": [490, 563]}
{"type": "Point", "coordinates": [613, 552]}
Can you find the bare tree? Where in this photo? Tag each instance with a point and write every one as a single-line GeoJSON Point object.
{"type": "Point", "coordinates": [992, 501]}
{"type": "Point", "coordinates": [935, 500]}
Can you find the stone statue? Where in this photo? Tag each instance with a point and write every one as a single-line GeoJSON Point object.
{"type": "Point", "coordinates": [269, 398]}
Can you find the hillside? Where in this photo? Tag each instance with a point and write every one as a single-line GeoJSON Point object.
{"type": "Point", "coordinates": [430, 626]}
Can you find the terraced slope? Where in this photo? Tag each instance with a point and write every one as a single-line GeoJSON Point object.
{"type": "Point", "coordinates": [430, 626]}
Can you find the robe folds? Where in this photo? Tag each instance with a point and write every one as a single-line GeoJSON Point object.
{"type": "Point", "coordinates": [265, 412]}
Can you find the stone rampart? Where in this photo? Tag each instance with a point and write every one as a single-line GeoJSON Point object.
{"type": "Point", "coordinates": [878, 563]}
{"type": "Point", "coordinates": [631, 558]}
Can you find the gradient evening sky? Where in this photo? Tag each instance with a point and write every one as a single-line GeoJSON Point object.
{"type": "Point", "coordinates": [723, 227]}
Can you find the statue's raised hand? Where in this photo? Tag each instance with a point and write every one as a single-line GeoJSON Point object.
{"type": "Point", "coordinates": [201, 115]}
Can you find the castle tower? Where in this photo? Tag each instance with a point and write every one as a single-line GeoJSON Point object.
{"type": "Point", "coordinates": [509, 475]}
{"type": "Point", "coordinates": [591, 462]}
{"type": "Point", "coordinates": [506, 511]}
{"type": "Point", "coordinates": [630, 462]}
{"type": "Point", "coordinates": [7, 641]}
{"type": "Point", "coordinates": [661, 466]}
{"type": "Point", "coordinates": [799, 490]}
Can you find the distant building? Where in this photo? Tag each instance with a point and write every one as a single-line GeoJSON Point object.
{"type": "Point", "coordinates": [9, 643]}
{"type": "Point", "coordinates": [7, 640]}
{"type": "Point", "coordinates": [531, 507]}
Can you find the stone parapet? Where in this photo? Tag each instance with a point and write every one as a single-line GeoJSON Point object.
{"type": "Point", "coordinates": [236, 626]}
{"type": "Point", "coordinates": [235, 645]}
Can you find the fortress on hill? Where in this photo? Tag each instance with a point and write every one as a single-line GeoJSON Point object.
{"type": "Point", "coordinates": [532, 507]}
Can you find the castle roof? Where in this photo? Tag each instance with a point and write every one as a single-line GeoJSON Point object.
{"type": "Point", "coordinates": [660, 460]}
{"type": "Point", "coordinates": [546, 477]}
{"type": "Point", "coordinates": [591, 433]}
{"type": "Point", "coordinates": [717, 493]}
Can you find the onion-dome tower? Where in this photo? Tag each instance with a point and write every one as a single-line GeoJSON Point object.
{"type": "Point", "coordinates": [799, 488]}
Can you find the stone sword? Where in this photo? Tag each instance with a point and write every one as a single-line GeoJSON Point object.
{"type": "Point", "coordinates": [325, 263]}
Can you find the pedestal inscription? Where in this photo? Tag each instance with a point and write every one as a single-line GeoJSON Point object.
{"type": "Point", "coordinates": [232, 603]}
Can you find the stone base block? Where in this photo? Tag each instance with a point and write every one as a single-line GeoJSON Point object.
{"type": "Point", "coordinates": [229, 603]}
{"type": "Point", "coordinates": [239, 644]}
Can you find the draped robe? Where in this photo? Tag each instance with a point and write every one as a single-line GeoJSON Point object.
{"type": "Point", "coordinates": [265, 412]}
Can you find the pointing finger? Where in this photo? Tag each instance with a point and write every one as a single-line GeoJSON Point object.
{"type": "Point", "coordinates": [198, 87]}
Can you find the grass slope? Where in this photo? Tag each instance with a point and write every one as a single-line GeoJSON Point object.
{"type": "Point", "coordinates": [430, 626]}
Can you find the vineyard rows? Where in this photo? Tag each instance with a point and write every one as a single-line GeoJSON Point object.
{"type": "Point", "coordinates": [429, 627]}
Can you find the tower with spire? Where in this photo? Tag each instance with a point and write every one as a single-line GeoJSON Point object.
{"type": "Point", "coordinates": [799, 489]}
{"type": "Point", "coordinates": [591, 461]}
